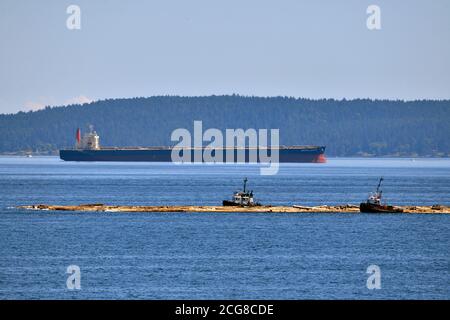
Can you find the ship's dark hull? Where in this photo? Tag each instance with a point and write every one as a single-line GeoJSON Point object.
{"type": "Point", "coordinates": [373, 208]}
{"type": "Point", "coordinates": [162, 154]}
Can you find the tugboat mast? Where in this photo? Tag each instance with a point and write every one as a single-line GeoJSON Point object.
{"type": "Point", "coordinates": [379, 185]}
{"type": "Point", "coordinates": [245, 183]}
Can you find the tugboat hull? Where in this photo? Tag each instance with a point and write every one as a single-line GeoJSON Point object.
{"type": "Point", "coordinates": [229, 203]}
{"type": "Point", "coordinates": [374, 208]}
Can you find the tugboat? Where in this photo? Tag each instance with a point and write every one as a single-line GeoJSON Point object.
{"type": "Point", "coordinates": [242, 198]}
{"type": "Point", "coordinates": [373, 203]}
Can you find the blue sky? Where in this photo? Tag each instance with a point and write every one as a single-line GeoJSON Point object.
{"type": "Point", "coordinates": [315, 49]}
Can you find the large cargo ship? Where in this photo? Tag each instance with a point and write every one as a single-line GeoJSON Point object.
{"type": "Point", "coordinates": [88, 149]}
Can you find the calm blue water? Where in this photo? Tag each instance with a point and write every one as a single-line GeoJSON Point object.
{"type": "Point", "coordinates": [221, 256]}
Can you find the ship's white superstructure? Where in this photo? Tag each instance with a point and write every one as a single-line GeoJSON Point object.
{"type": "Point", "coordinates": [90, 141]}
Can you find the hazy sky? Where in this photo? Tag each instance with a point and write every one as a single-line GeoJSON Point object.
{"type": "Point", "coordinates": [189, 47]}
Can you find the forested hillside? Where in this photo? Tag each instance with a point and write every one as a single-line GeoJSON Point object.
{"type": "Point", "coordinates": [347, 128]}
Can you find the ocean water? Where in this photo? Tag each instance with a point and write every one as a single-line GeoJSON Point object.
{"type": "Point", "coordinates": [217, 255]}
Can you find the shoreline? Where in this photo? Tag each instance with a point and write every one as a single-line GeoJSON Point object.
{"type": "Point", "coordinates": [221, 209]}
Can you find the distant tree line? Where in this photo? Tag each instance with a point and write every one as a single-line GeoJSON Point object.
{"type": "Point", "coordinates": [346, 127]}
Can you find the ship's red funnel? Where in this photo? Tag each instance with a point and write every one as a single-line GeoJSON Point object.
{"type": "Point", "coordinates": [78, 135]}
